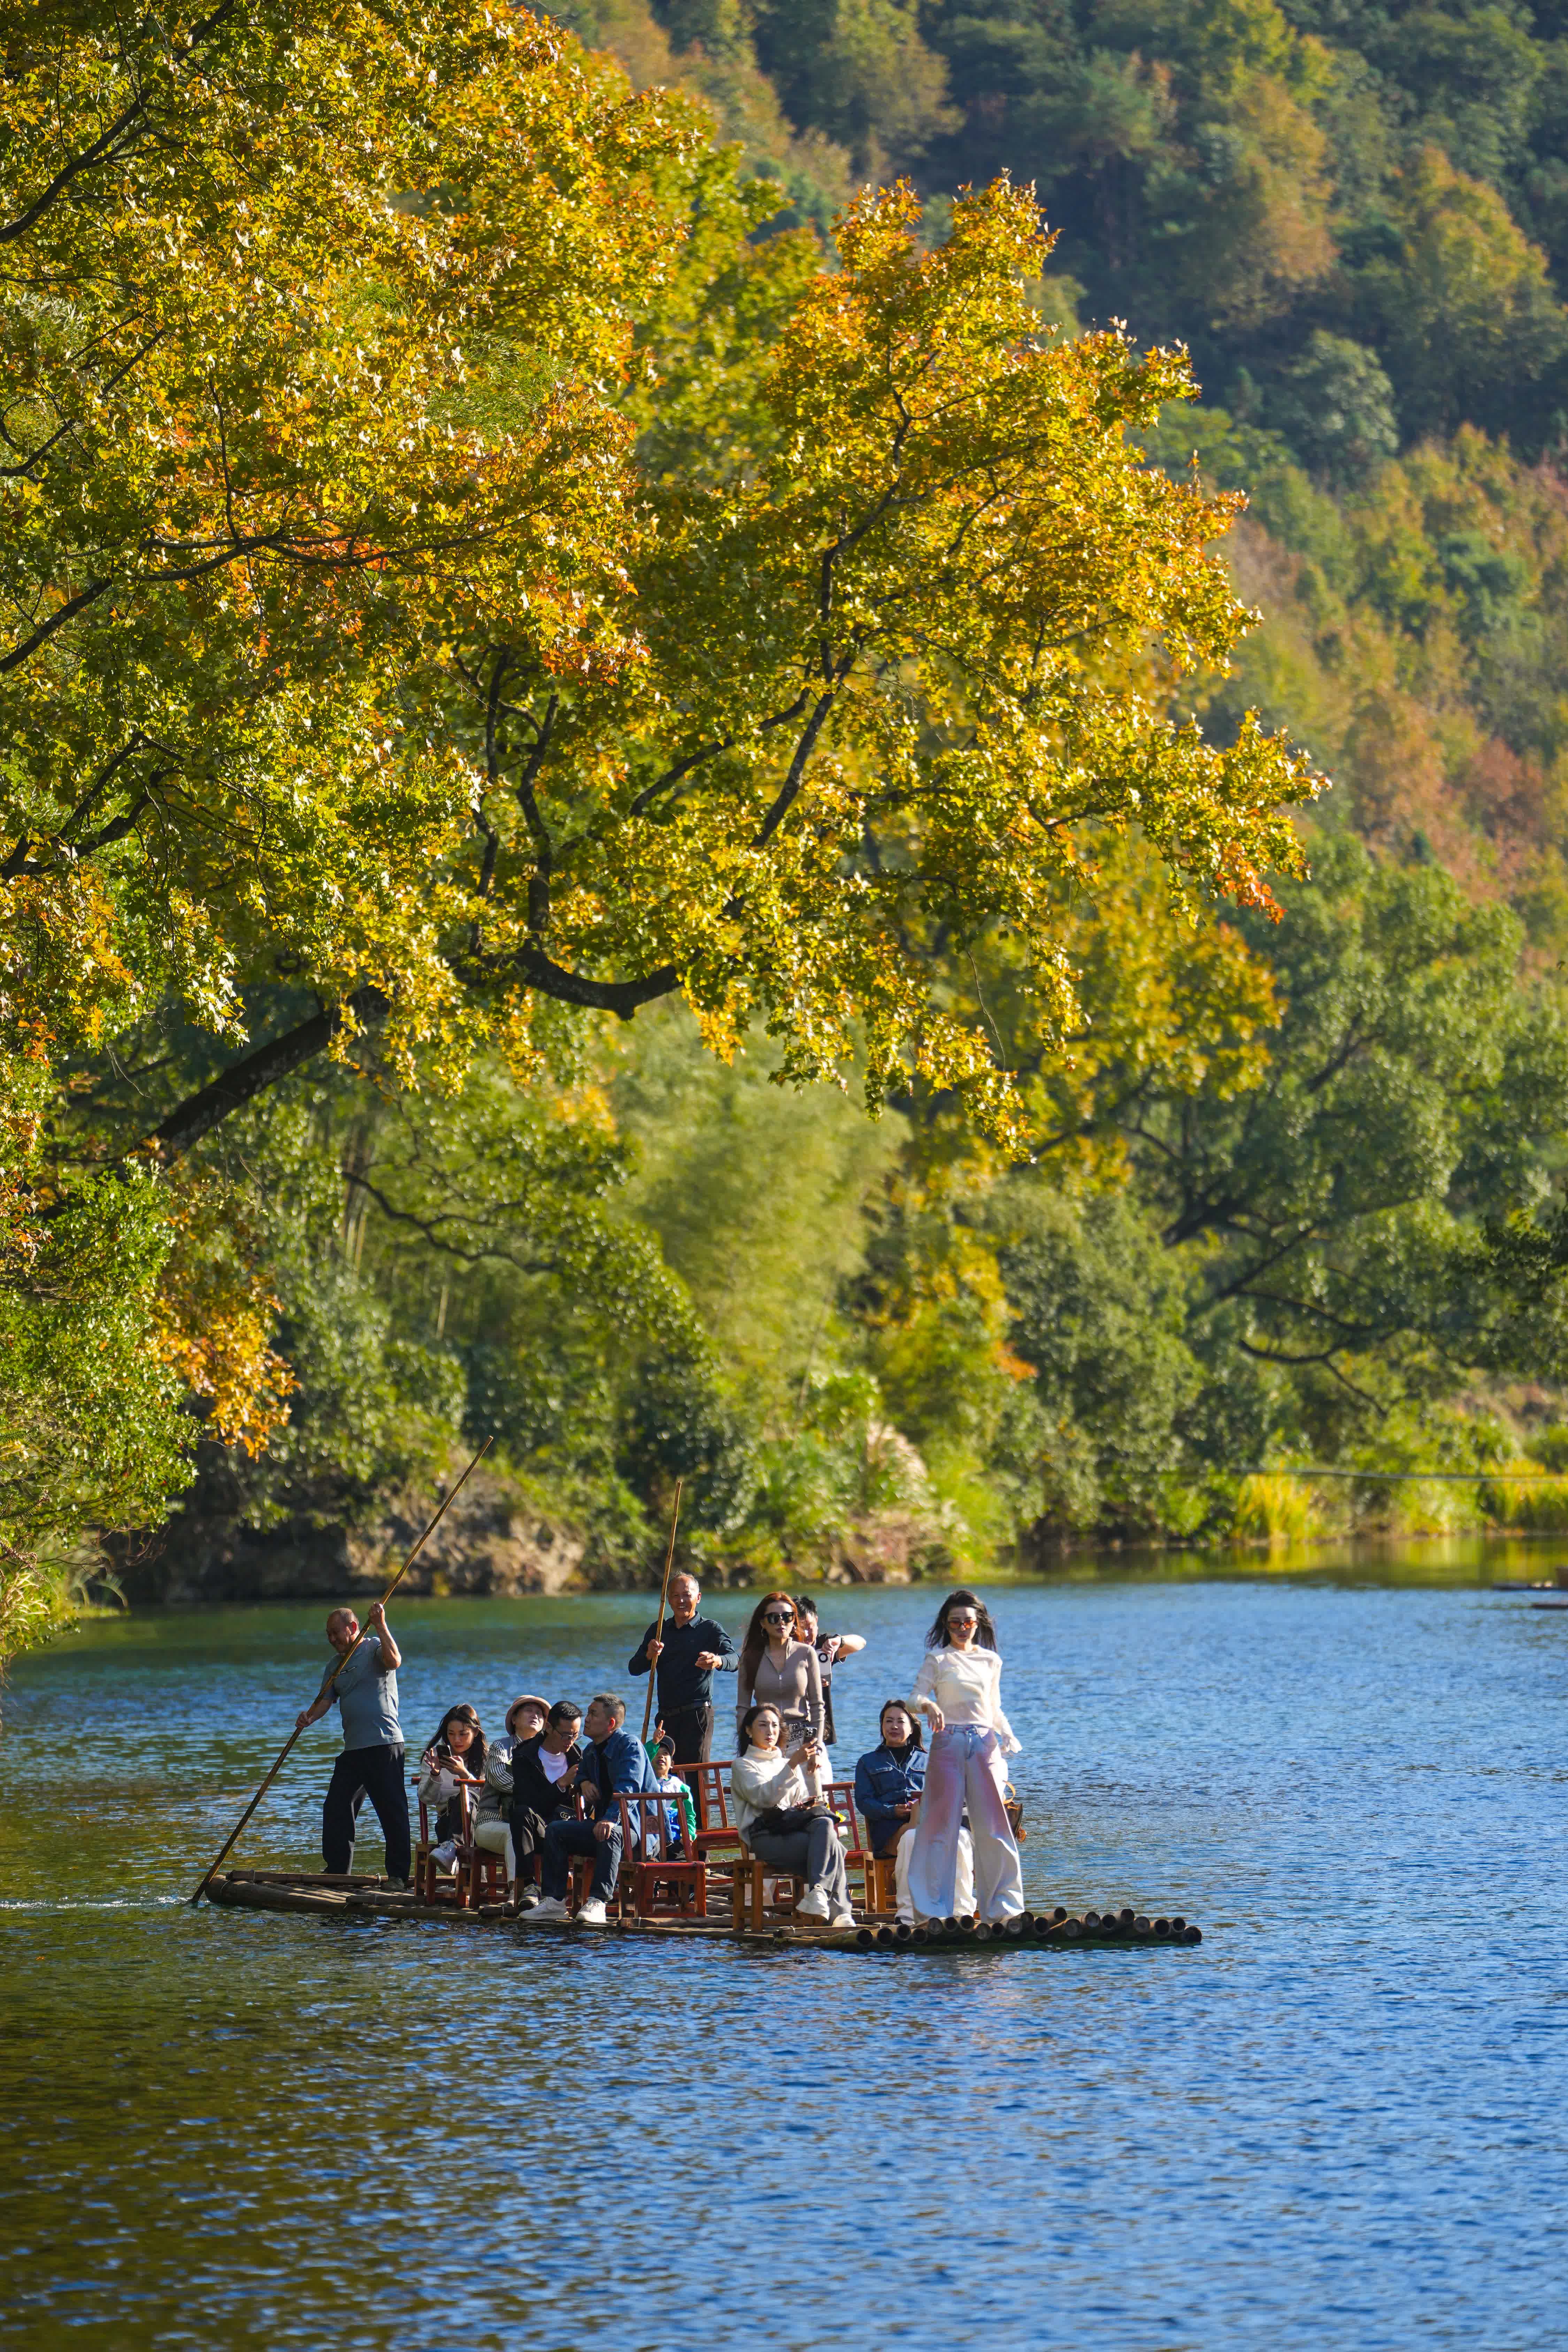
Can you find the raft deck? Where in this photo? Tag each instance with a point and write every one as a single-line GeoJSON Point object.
{"type": "Point", "coordinates": [359, 1895]}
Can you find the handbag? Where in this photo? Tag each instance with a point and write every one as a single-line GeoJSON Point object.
{"type": "Point", "coordinates": [783, 1820]}
{"type": "Point", "coordinates": [1013, 1806]}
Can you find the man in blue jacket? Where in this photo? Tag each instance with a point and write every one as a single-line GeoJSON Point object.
{"type": "Point", "coordinates": [614, 1765]}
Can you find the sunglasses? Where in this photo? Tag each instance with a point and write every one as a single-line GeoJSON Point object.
{"type": "Point", "coordinates": [962, 1619]}
{"type": "Point", "coordinates": [778, 1617]}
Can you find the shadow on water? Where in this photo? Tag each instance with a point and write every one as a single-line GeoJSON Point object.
{"type": "Point", "coordinates": [1327, 2127]}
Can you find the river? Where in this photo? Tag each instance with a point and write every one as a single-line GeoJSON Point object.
{"type": "Point", "coordinates": [1338, 2123]}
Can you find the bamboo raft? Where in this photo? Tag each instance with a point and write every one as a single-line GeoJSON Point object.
{"type": "Point", "coordinates": [360, 1896]}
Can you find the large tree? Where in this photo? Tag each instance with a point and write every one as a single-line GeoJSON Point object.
{"type": "Point", "coordinates": [452, 569]}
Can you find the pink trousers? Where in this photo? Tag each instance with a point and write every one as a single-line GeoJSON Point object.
{"type": "Point", "coordinates": [965, 1768]}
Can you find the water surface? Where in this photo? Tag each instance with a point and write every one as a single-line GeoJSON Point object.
{"type": "Point", "coordinates": [1340, 2123]}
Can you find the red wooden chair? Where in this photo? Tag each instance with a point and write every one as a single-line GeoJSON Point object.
{"type": "Point", "coordinates": [486, 1876]}
{"type": "Point", "coordinates": [716, 1832]}
{"type": "Point", "coordinates": [665, 1880]}
{"type": "Point", "coordinates": [433, 1886]}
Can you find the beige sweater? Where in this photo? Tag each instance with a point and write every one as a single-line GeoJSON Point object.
{"type": "Point", "coordinates": [795, 1688]}
{"type": "Point", "coordinates": [757, 1781]}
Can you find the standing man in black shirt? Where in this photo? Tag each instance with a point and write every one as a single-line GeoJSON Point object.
{"type": "Point", "coordinates": [694, 1649]}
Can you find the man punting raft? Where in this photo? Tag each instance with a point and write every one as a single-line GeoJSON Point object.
{"type": "Point", "coordinates": [562, 1788]}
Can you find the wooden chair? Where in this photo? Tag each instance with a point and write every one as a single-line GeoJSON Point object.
{"type": "Point", "coordinates": [747, 1888]}
{"type": "Point", "coordinates": [876, 1877]}
{"type": "Point", "coordinates": [716, 1832]}
{"type": "Point", "coordinates": [653, 1859]}
{"type": "Point", "coordinates": [486, 1876]}
{"type": "Point", "coordinates": [431, 1885]}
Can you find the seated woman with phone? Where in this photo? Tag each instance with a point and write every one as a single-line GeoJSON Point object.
{"type": "Point", "coordinates": [779, 1809]}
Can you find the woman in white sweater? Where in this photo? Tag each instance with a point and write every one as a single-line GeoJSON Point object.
{"type": "Point", "coordinates": [958, 1690]}
{"type": "Point", "coordinates": [765, 1784]}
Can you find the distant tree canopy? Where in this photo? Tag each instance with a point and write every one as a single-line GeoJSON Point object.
{"type": "Point", "coordinates": [1246, 175]}
{"type": "Point", "coordinates": [451, 571]}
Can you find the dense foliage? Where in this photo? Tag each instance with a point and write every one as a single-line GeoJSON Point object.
{"type": "Point", "coordinates": [483, 562]}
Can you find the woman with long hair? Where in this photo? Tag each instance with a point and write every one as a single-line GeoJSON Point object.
{"type": "Point", "coordinates": [455, 1761]}
{"type": "Point", "coordinates": [778, 1666]}
{"type": "Point", "coordinates": [958, 1690]}
{"type": "Point", "coordinates": [778, 1807]}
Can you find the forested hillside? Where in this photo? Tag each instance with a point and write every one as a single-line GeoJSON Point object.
{"type": "Point", "coordinates": [638, 823]}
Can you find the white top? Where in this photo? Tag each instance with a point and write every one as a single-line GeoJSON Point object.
{"type": "Point", "coordinates": [759, 1778]}
{"type": "Point", "coordinates": [553, 1767]}
{"type": "Point", "coordinates": [967, 1686]}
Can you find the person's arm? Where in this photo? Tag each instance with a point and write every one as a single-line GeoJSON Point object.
{"type": "Point", "coordinates": [644, 1655]}
{"type": "Point", "coordinates": [848, 1644]}
{"type": "Point", "coordinates": [318, 1707]}
{"type": "Point", "coordinates": [497, 1771]}
{"type": "Point", "coordinates": [923, 1698]}
{"type": "Point", "coordinates": [718, 1654]}
{"type": "Point", "coordinates": [742, 1701]}
{"type": "Point", "coordinates": [879, 1821]}
{"type": "Point", "coordinates": [1011, 1745]}
{"type": "Point", "coordinates": [813, 1709]}
{"type": "Point", "coordinates": [631, 1774]}
{"type": "Point", "coordinates": [380, 1632]}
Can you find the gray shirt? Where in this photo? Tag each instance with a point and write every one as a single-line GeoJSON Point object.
{"type": "Point", "coordinates": [366, 1692]}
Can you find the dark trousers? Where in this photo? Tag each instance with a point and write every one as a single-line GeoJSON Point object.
{"type": "Point", "coordinates": [691, 1728]}
{"type": "Point", "coordinates": [359, 1773]}
{"type": "Point", "coordinates": [562, 1839]}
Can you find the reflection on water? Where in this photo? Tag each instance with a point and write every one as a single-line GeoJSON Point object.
{"type": "Point", "coordinates": [1339, 2123]}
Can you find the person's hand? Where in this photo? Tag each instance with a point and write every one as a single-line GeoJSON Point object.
{"type": "Point", "coordinates": [831, 1644]}
{"type": "Point", "coordinates": [906, 1813]}
{"type": "Point", "coordinates": [709, 1659]}
{"type": "Point", "coordinates": [569, 1777]}
{"type": "Point", "coordinates": [377, 1619]}
{"type": "Point", "coordinates": [653, 1649]}
{"type": "Point", "coordinates": [604, 1828]}
{"type": "Point", "coordinates": [934, 1716]}
{"type": "Point", "coordinates": [302, 1719]}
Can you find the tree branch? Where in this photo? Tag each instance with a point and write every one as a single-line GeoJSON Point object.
{"type": "Point", "coordinates": [621, 997]}
{"type": "Point", "coordinates": [57, 620]}
{"type": "Point", "coordinates": [232, 1089]}
{"type": "Point", "coordinates": [103, 147]}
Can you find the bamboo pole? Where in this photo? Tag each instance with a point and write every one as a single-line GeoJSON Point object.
{"type": "Point", "coordinates": [284, 1751]}
{"type": "Point", "coordinates": [664, 1595]}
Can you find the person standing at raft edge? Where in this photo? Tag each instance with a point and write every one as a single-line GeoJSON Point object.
{"type": "Point", "coordinates": [828, 1646]}
{"type": "Point", "coordinates": [371, 1764]}
{"type": "Point", "coordinates": [958, 1690]}
{"type": "Point", "coordinates": [694, 1649]}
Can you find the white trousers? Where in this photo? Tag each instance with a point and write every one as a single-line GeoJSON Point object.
{"type": "Point", "coordinates": [963, 1891]}
{"type": "Point", "coordinates": [965, 1773]}
{"type": "Point", "coordinates": [495, 1837]}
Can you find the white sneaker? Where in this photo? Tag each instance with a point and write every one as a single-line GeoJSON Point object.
{"type": "Point", "coordinates": [444, 1855]}
{"type": "Point", "coordinates": [813, 1904]}
{"type": "Point", "coordinates": [592, 1915]}
{"type": "Point", "coordinates": [842, 1919]}
{"type": "Point", "coordinates": [548, 1908]}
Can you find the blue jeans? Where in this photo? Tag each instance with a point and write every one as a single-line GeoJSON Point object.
{"type": "Point", "coordinates": [562, 1839]}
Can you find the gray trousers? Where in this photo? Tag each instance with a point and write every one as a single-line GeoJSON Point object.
{"type": "Point", "coordinates": [814, 1854]}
